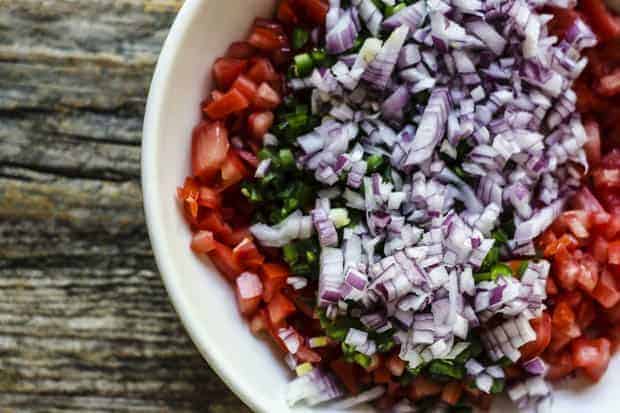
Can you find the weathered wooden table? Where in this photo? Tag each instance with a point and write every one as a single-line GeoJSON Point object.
{"type": "Point", "coordinates": [85, 323]}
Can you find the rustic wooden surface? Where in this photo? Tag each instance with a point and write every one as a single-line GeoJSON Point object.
{"type": "Point", "coordinates": [85, 323]}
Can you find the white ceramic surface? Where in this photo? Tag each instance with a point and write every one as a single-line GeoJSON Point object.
{"type": "Point", "coordinates": [202, 31]}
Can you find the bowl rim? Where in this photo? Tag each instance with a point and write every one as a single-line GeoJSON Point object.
{"type": "Point", "coordinates": [153, 208]}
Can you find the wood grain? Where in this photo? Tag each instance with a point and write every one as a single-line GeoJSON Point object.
{"type": "Point", "coordinates": [85, 323]}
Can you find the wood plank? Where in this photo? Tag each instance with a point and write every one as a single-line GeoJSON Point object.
{"type": "Point", "coordinates": [85, 323]}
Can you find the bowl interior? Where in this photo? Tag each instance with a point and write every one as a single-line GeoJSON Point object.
{"type": "Point", "coordinates": [204, 301]}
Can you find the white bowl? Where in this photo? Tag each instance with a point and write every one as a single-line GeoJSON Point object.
{"type": "Point", "coordinates": [205, 302]}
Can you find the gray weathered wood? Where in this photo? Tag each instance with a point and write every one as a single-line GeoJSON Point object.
{"type": "Point", "coordinates": [85, 323]}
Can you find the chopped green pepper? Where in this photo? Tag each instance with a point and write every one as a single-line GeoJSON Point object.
{"type": "Point", "coordinates": [373, 163]}
{"type": "Point", "coordinates": [303, 65]}
{"type": "Point", "coordinates": [300, 38]}
{"type": "Point", "coordinates": [443, 369]}
{"type": "Point", "coordinates": [499, 270]}
{"type": "Point", "coordinates": [290, 253]}
{"type": "Point", "coordinates": [392, 10]}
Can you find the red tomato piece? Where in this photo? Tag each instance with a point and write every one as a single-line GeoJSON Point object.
{"type": "Point", "coordinates": [279, 308]}
{"type": "Point", "coordinates": [286, 13]}
{"type": "Point", "coordinates": [189, 195]}
{"type": "Point", "coordinates": [313, 10]}
{"type": "Point", "coordinates": [563, 19]}
{"type": "Point", "coordinates": [226, 70]}
{"type": "Point", "coordinates": [247, 254]}
{"type": "Point", "coordinates": [241, 50]}
{"type": "Point", "coordinates": [306, 355]}
{"type": "Point", "coordinates": [600, 248]}
{"type": "Point", "coordinates": [259, 124]}
{"type": "Point", "coordinates": [203, 241]}
{"type": "Point", "coordinates": [246, 86]}
{"type": "Point", "coordinates": [588, 276]}
{"type": "Point", "coordinates": [249, 304]}
{"type": "Point", "coordinates": [381, 375]}
{"type": "Point", "coordinates": [566, 270]}
{"type": "Point", "coordinates": [262, 71]}
{"type": "Point", "coordinates": [585, 200]}
{"type": "Point", "coordinates": [578, 222]}
{"type": "Point", "coordinates": [209, 198]}
{"type": "Point", "coordinates": [274, 278]}
{"type": "Point", "coordinates": [423, 387]}
{"type": "Point", "coordinates": [233, 170]}
{"type": "Point", "coordinates": [267, 38]}
{"type": "Point", "coordinates": [585, 314]}
{"type": "Point", "coordinates": [606, 291]}
{"type": "Point", "coordinates": [347, 375]}
{"type": "Point", "coordinates": [233, 101]}
{"type": "Point", "coordinates": [395, 365]}
{"type": "Point", "coordinates": [451, 393]}
{"type": "Point", "coordinates": [259, 322]}
{"type": "Point", "coordinates": [613, 252]}
{"type": "Point", "coordinates": [592, 355]}
{"type": "Point", "coordinates": [212, 220]}
{"type": "Point", "coordinates": [209, 148]}
{"type": "Point", "coordinates": [593, 142]}
{"type": "Point", "coordinates": [542, 327]}
{"type": "Point", "coordinates": [601, 20]}
{"type": "Point", "coordinates": [235, 236]}
{"type": "Point", "coordinates": [613, 314]}
{"type": "Point", "coordinates": [606, 178]}
{"type": "Point", "coordinates": [223, 259]}
{"type": "Point", "coordinates": [266, 98]}
{"type": "Point", "coordinates": [560, 366]}
{"type": "Point", "coordinates": [552, 289]}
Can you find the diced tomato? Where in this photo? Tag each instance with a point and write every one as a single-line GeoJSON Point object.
{"type": "Point", "coordinates": [375, 361]}
{"type": "Point", "coordinates": [612, 228]}
{"type": "Point", "coordinates": [313, 10]}
{"type": "Point", "coordinates": [267, 38]}
{"type": "Point", "coordinates": [247, 306]}
{"type": "Point", "coordinates": [601, 20]}
{"type": "Point", "coordinates": [513, 372]}
{"type": "Point", "coordinates": [542, 327]}
{"type": "Point", "coordinates": [259, 124]}
{"type": "Point", "coordinates": [233, 170]}
{"type": "Point", "coordinates": [274, 278]}
{"type": "Point", "coordinates": [451, 393]}
{"type": "Point", "coordinates": [212, 220]}
{"type": "Point", "coordinates": [592, 355]}
{"type": "Point", "coordinates": [395, 365]}
{"type": "Point", "coordinates": [279, 308]}
{"type": "Point", "coordinates": [606, 291]}
{"type": "Point", "coordinates": [585, 313]}
{"type": "Point", "coordinates": [566, 270]}
{"type": "Point", "coordinates": [563, 19]}
{"type": "Point", "coordinates": [226, 70]}
{"type": "Point", "coordinates": [606, 178]}
{"type": "Point", "coordinates": [203, 241]}
{"type": "Point", "coordinates": [613, 251]}
{"type": "Point", "coordinates": [266, 98]}
{"type": "Point", "coordinates": [613, 314]}
{"type": "Point", "coordinates": [247, 254]}
{"type": "Point", "coordinates": [209, 198]}
{"type": "Point", "coordinates": [262, 71]}
{"type": "Point", "coordinates": [246, 86]}
{"type": "Point", "coordinates": [189, 195]}
{"type": "Point", "coordinates": [423, 387]}
{"type": "Point", "coordinates": [382, 375]}
{"type": "Point", "coordinates": [552, 289]}
{"type": "Point", "coordinates": [224, 260]}
{"type": "Point", "coordinates": [600, 249]}
{"type": "Point", "coordinates": [306, 355]}
{"type": "Point", "coordinates": [233, 101]}
{"type": "Point", "coordinates": [259, 322]}
{"type": "Point", "coordinates": [593, 142]}
{"type": "Point", "coordinates": [347, 375]}
{"type": "Point", "coordinates": [577, 222]}
{"type": "Point", "coordinates": [585, 200]}
{"type": "Point", "coordinates": [209, 148]}
{"type": "Point", "coordinates": [241, 50]}
{"type": "Point", "coordinates": [588, 275]}
{"type": "Point", "coordinates": [286, 13]}
{"type": "Point", "coordinates": [235, 236]}
{"type": "Point", "coordinates": [560, 365]}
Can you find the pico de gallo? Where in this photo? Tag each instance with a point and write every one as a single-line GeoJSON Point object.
{"type": "Point", "coordinates": [418, 202]}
